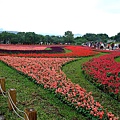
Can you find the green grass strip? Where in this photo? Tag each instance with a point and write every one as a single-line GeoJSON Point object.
{"type": "Point", "coordinates": [117, 59]}
{"type": "Point", "coordinates": [67, 51]}
{"type": "Point", "coordinates": [74, 72]}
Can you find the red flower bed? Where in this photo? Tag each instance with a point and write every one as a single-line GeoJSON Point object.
{"type": "Point", "coordinates": [76, 51]}
{"type": "Point", "coordinates": [106, 71]}
{"type": "Point", "coordinates": [46, 71]}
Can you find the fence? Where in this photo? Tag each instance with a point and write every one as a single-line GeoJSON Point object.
{"type": "Point", "coordinates": [29, 113]}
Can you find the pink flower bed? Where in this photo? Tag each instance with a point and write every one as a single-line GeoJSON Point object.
{"type": "Point", "coordinates": [22, 47]}
{"type": "Point", "coordinates": [47, 71]}
{"type": "Point", "coordinates": [106, 71]}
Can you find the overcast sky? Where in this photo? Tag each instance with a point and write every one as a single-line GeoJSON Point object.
{"type": "Point", "coordinates": [57, 16]}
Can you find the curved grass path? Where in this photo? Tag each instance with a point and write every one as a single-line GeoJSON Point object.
{"type": "Point", "coordinates": [117, 59]}
{"type": "Point", "coordinates": [74, 72]}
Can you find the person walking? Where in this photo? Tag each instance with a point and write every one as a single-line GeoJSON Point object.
{"type": "Point", "coordinates": [112, 46]}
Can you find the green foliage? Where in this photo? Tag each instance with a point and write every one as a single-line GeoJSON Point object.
{"type": "Point", "coordinates": [48, 48]}
{"type": "Point", "coordinates": [68, 37]}
{"type": "Point", "coordinates": [80, 40]}
{"type": "Point", "coordinates": [96, 37]}
{"type": "Point", "coordinates": [30, 38]}
{"type": "Point", "coordinates": [117, 37]}
{"type": "Point", "coordinates": [117, 59]}
{"type": "Point", "coordinates": [119, 74]}
{"type": "Point", "coordinates": [109, 74]}
{"type": "Point", "coordinates": [67, 51]}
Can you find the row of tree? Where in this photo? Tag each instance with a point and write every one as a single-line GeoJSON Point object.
{"type": "Point", "coordinates": [67, 38]}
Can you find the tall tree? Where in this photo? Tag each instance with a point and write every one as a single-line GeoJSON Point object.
{"type": "Point", "coordinates": [69, 37]}
{"type": "Point", "coordinates": [80, 40]}
{"type": "Point", "coordinates": [117, 37]}
{"type": "Point", "coordinates": [48, 39]}
{"type": "Point", "coordinates": [57, 39]}
{"type": "Point", "coordinates": [30, 38]}
{"type": "Point", "coordinates": [21, 37]}
{"type": "Point", "coordinates": [102, 37]}
{"type": "Point", "coordinates": [90, 37]}
{"type": "Point", "coordinates": [14, 39]}
{"type": "Point", "coordinates": [6, 37]}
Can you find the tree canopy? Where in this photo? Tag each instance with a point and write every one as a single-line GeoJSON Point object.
{"type": "Point", "coordinates": [68, 37]}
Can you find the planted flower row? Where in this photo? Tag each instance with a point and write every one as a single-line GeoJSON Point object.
{"type": "Point", "coordinates": [53, 49]}
{"type": "Point", "coordinates": [76, 51]}
{"type": "Point", "coordinates": [105, 72]}
{"type": "Point", "coordinates": [21, 47]}
{"type": "Point", "coordinates": [47, 72]}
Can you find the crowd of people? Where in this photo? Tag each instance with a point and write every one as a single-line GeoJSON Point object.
{"type": "Point", "coordinates": [105, 46]}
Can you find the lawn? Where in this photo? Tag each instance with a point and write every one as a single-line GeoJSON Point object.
{"type": "Point", "coordinates": [117, 59]}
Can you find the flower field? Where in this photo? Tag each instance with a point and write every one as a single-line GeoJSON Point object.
{"type": "Point", "coordinates": [45, 70]}
{"type": "Point", "coordinates": [105, 71]}
{"type": "Point", "coordinates": [30, 49]}
{"type": "Point", "coordinates": [76, 51]}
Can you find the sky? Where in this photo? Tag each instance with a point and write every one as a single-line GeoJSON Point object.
{"type": "Point", "coordinates": [58, 16]}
